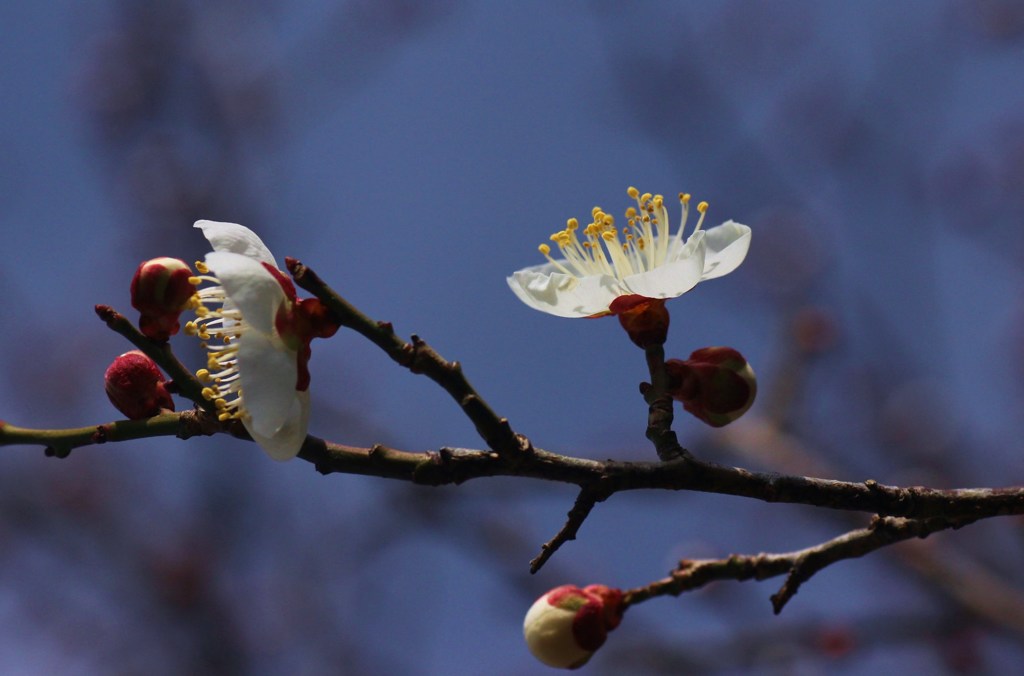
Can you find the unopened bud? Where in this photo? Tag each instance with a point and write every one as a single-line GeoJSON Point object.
{"type": "Point", "coordinates": [644, 319]}
{"type": "Point", "coordinates": [565, 626]}
{"type": "Point", "coordinates": [716, 384]}
{"type": "Point", "coordinates": [161, 290]}
{"type": "Point", "coordinates": [135, 386]}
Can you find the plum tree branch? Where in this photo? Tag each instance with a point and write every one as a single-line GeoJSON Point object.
{"type": "Point", "coordinates": [457, 465]}
{"type": "Point", "coordinates": [900, 513]}
{"type": "Point", "coordinates": [798, 566]}
{"type": "Point", "coordinates": [418, 357]}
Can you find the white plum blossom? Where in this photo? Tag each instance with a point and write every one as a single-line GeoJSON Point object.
{"type": "Point", "coordinates": [603, 263]}
{"type": "Point", "coordinates": [256, 333]}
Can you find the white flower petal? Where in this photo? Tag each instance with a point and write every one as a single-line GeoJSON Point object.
{"type": "Point", "coordinates": [675, 277]}
{"type": "Point", "coordinates": [249, 286]}
{"type": "Point", "coordinates": [236, 238]}
{"type": "Point", "coordinates": [563, 295]}
{"type": "Point", "coordinates": [727, 247]}
{"type": "Point", "coordinates": [286, 442]}
{"type": "Point", "coordinates": [269, 374]}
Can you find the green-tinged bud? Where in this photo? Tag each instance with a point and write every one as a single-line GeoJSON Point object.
{"type": "Point", "coordinates": [565, 626]}
{"type": "Point", "coordinates": [161, 290]}
{"type": "Point", "coordinates": [135, 386]}
{"type": "Point", "coordinates": [716, 384]}
{"type": "Point", "coordinates": [644, 319]}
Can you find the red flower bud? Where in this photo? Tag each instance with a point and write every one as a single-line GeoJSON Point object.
{"type": "Point", "coordinates": [567, 625]}
{"type": "Point", "coordinates": [135, 386]}
{"type": "Point", "coordinates": [644, 319]}
{"type": "Point", "coordinates": [161, 290]}
{"type": "Point", "coordinates": [716, 384]}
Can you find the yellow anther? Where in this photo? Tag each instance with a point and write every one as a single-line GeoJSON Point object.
{"type": "Point", "coordinates": [209, 394]}
{"type": "Point", "coordinates": [190, 328]}
{"type": "Point", "coordinates": [659, 201]}
{"type": "Point", "coordinates": [684, 197]}
{"type": "Point", "coordinates": [203, 374]}
{"type": "Point", "coordinates": [632, 192]}
{"type": "Point", "coordinates": [702, 207]}
{"type": "Point", "coordinates": [608, 220]}
{"type": "Point", "coordinates": [608, 236]}
{"type": "Point", "coordinates": [202, 267]}
{"type": "Point", "coordinates": [631, 212]}
{"type": "Point", "coordinates": [572, 224]}
{"type": "Point", "coordinates": [224, 417]}
{"type": "Point", "coordinates": [202, 311]}
{"type": "Point", "coordinates": [646, 197]}
{"type": "Point", "coordinates": [544, 249]}
{"type": "Point", "coordinates": [221, 403]}
{"type": "Point", "coordinates": [595, 212]}
{"type": "Point", "coordinates": [194, 281]}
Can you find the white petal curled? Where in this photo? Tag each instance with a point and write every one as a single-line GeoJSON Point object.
{"type": "Point", "coordinates": [249, 286]}
{"type": "Point", "coordinates": [277, 415]}
{"type": "Point", "coordinates": [287, 441]}
{"type": "Point", "coordinates": [236, 238]}
{"type": "Point", "coordinates": [543, 288]}
{"type": "Point", "coordinates": [727, 246]}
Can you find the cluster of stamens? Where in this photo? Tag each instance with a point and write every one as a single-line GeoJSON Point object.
{"type": "Point", "coordinates": [644, 243]}
{"type": "Point", "coordinates": [219, 330]}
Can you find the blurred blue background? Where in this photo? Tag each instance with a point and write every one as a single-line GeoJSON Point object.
{"type": "Point", "coordinates": [414, 154]}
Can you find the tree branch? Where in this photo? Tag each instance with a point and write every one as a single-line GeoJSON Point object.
{"type": "Point", "coordinates": [457, 465]}
{"type": "Point", "coordinates": [418, 357]}
{"type": "Point", "coordinates": [798, 566]}
{"type": "Point", "coordinates": [186, 382]}
{"type": "Point", "coordinates": [590, 495]}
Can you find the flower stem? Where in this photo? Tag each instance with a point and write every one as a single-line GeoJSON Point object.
{"type": "Point", "coordinates": [659, 416]}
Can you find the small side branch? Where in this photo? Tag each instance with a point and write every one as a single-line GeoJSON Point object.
{"type": "Point", "coordinates": [418, 357]}
{"type": "Point", "coordinates": [186, 382]}
{"type": "Point", "coordinates": [588, 497]}
{"type": "Point", "coordinates": [798, 566]}
{"type": "Point", "coordinates": [660, 413]}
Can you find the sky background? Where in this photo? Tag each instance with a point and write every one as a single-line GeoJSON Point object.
{"type": "Point", "coordinates": [416, 153]}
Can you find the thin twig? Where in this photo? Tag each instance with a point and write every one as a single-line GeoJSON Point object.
{"type": "Point", "coordinates": [798, 566]}
{"type": "Point", "coordinates": [589, 495]}
{"type": "Point", "coordinates": [660, 413]}
{"type": "Point", "coordinates": [418, 357]}
{"type": "Point", "coordinates": [188, 385]}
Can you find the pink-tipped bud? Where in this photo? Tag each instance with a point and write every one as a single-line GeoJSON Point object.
{"type": "Point", "coordinates": [161, 290]}
{"type": "Point", "coordinates": [135, 386]}
{"type": "Point", "coordinates": [716, 384]}
{"type": "Point", "coordinates": [565, 626]}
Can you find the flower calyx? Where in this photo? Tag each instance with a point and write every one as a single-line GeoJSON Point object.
{"type": "Point", "coordinates": [161, 290]}
{"type": "Point", "coordinates": [716, 384]}
{"type": "Point", "coordinates": [645, 320]}
{"type": "Point", "coordinates": [565, 626]}
{"type": "Point", "coordinates": [136, 387]}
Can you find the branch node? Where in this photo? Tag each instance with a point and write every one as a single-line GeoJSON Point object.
{"type": "Point", "coordinates": [100, 435]}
